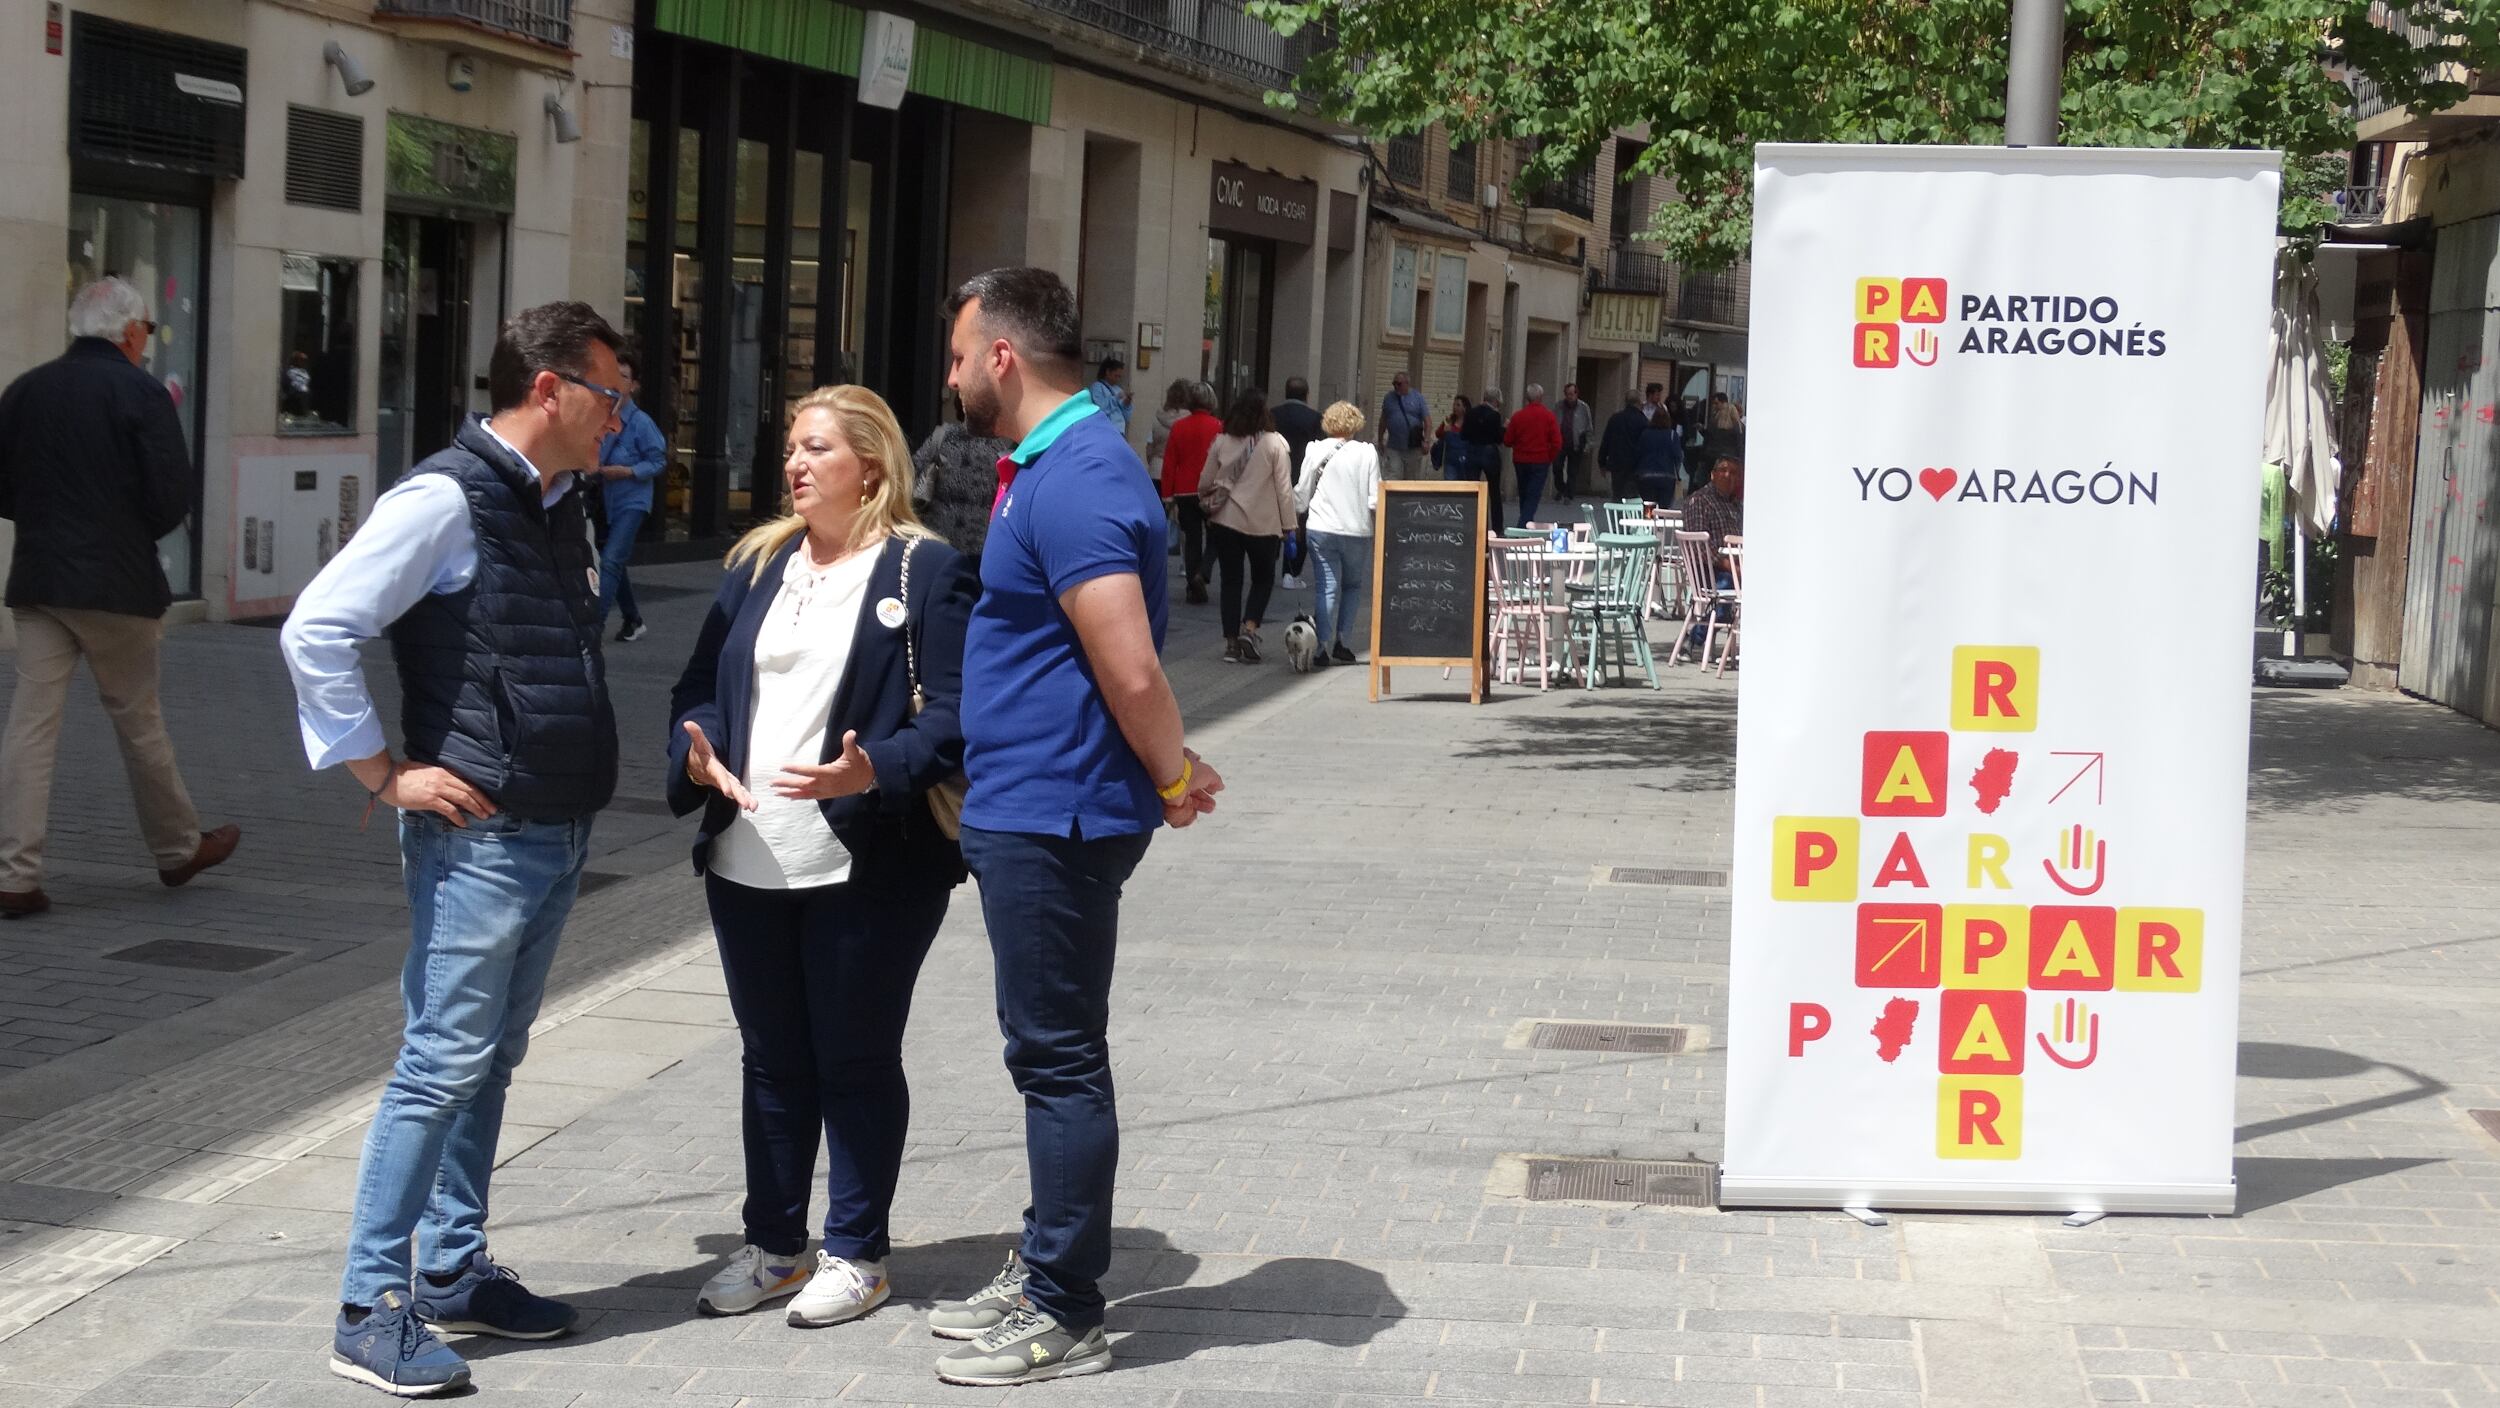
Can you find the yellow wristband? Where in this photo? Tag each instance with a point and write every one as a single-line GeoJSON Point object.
{"type": "Point", "coordinates": [1180, 785]}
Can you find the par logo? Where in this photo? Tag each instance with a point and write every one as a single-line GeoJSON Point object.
{"type": "Point", "coordinates": [1899, 320]}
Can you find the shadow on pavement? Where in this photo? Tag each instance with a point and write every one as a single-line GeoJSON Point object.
{"type": "Point", "coordinates": [2319, 753]}
{"type": "Point", "coordinates": [1602, 731]}
{"type": "Point", "coordinates": [2266, 1182]}
{"type": "Point", "coordinates": [1305, 1298]}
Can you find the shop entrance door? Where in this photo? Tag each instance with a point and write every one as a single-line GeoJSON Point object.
{"type": "Point", "coordinates": [1241, 280]}
{"type": "Point", "coordinates": [426, 295]}
{"type": "Point", "coordinates": [2449, 590]}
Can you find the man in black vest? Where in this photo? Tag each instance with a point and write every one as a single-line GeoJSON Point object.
{"type": "Point", "coordinates": [479, 569]}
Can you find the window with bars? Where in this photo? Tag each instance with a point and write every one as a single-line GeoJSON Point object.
{"type": "Point", "coordinates": [1461, 184]}
{"type": "Point", "coordinates": [1406, 159]}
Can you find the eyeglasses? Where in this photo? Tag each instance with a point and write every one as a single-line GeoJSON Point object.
{"type": "Point", "coordinates": [149, 324]}
{"type": "Point", "coordinates": [616, 398]}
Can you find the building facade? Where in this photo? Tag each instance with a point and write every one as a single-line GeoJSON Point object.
{"type": "Point", "coordinates": [330, 207]}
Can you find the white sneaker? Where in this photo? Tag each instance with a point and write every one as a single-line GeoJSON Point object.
{"type": "Point", "coordinates": [752, 1277]}
{"type": "Point", "coordinates": [840, 1290]}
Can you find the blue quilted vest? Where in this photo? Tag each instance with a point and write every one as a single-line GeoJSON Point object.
{"type": "Point", "coordinates": [502, 681]}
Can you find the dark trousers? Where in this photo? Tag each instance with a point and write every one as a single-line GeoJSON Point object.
{"type": "Point", "coordinates": [1052, 904]}
{"type": "Point", "coordinates": [1487, 462]}
{"type": "Point", "coordinates": [1233, 553]}
{"type": "Point", "coordinates": [1531, 489]}
{"type": "Point", "coordinates": [820, 981]}
{"type": "Point", "coordinates": [615, 588]}
{"type": "Point", "coordinates": [1193, 517]}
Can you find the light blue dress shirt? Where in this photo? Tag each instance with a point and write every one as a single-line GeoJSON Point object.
{"type": "Point", "coordinates": [418, 542]}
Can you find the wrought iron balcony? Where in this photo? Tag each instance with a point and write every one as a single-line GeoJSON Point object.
{"type": "Point", "coordinates": [1212, 34]}
{"type": "Point", "coordinates": [1722, 296]}
{"type": "Point", "coordinates": [1575, 194]}
{"type": "Point", "coordinates": [547, 22]}
{"type": "Point", "coordinates": [1630, 270]}
{"type": "Point", "coordinates": [2361, 205]}
{"type": "Point", "coordinates": [1406, 160]}
{"type": "Point", "coordinates": [2381, 120]}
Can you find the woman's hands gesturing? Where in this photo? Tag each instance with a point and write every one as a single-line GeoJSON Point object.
{"type": "Point", "coordinates": [846, 776]}
{"type": "Point", "coordinates": [705, 767]}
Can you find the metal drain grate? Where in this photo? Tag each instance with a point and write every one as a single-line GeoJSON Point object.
{"type": "Point", "coordinates": [198, 956]}
{"type": "Point", "coordinates": [1608, 1036]}
{"type": "Point", "coordinates": [2489, 1120]}
{"type": "Point", "coordinates": [1637, 875]}
{"type": "Point", "coordinates": [1671, 1183]}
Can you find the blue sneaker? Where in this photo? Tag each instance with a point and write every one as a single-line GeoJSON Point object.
{"type": "Point", "coordinates": [393, 1351]}
{"type": "Point", "coordinates": [490, 1300]}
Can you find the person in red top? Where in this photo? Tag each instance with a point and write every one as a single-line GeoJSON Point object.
{"type": "Point", "coordinates": [1535, 441]}
{"type": "Point", "coordinates": [1184, 459]}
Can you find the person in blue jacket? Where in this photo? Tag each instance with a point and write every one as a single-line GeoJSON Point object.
{"type": "Point", "coordinates": [1661, 459]}
{"type": "Point", "coordinates": [630, 461]}
{"type": "Point", "coordinates": [817, 715]}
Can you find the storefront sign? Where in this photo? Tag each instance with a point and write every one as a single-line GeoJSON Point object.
{"type": "Point", "coordinates": [1342, 221]}
{"type": "Point", "coordinates": [1623, 317]}
{"type": "Point", "coordinates": [1262, 205]}
{"type": "Point", "coordinates": [1990, 831]}
{"type": "Point", "coordinates": [442, 164]}
{"type": "Point", "coordinates": [885, 59]}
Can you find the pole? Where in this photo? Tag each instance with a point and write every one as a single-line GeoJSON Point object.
{"type": "Point", "coordinates": [2036, 55]}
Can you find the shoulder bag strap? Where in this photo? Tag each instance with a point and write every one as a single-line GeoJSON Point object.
{"type": "Point", "coordinates": [911, 649]}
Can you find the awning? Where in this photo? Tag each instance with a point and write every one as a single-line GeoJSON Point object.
{"type": "Point", "coordinates": [1421, 223]}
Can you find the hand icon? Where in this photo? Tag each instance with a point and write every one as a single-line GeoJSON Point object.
{"type": "Point", "coordinates": [2083, 856]}
{"type": "Point", "coordinates": [2076, 1026]}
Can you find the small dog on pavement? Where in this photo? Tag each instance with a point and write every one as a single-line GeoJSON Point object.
{"type": "Point", "coordinates": [1302, 644]}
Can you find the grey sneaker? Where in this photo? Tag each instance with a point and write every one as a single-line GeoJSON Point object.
{"type": "Point", "coordinates": [1027, 1347]}
{"type": "Point", "coordinates": [988, 1306]}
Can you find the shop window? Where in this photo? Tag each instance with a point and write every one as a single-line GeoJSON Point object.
{"type": "Point", "coordinates": [1449, 297]}
{"type": "Point", "coordinates": [1401, 311]}
{"type": "Point", "coordinates": [317, 345]}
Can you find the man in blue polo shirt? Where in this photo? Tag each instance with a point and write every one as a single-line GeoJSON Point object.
{"type": "Point", "coordinates": [1072, 742]}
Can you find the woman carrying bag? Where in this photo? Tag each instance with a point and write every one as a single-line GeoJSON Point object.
{"type": "Point", "coordinates": [1248, 494]}
{"type": "Point", "coordinates": [816, 730]}
{"type": "Point", "coordinates": [1340, 483]}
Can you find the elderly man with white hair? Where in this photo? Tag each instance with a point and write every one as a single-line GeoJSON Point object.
{"type": "Point", "coordinates": [93, 470]}
{"type": "Point", "coordinates": [1535, 439]}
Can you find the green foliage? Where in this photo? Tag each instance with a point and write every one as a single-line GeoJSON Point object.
{"type": "Point", "coordinates": [1712, 78]}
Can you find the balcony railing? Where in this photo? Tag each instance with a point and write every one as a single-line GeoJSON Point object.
{"type": "Point", "coordinates": [1723, 296]}
{"type": "Point", "coordinates": [2361, 205]}
{"type": "Point", "coordinates": [1406, 160]}
{"type": "Point", "coordinates": [1216, 34]}
{"type": "Point", "coordinates": [548, 22]}
{"type": "Point", "coordinates": [1575, 194]}
{"type": "Point", "coordinates": [1629, 270]}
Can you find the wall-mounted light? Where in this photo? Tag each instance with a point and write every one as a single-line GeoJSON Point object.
{"type": "Point", "coordinates": [351, 73]}
{"type": "Point", "coordinates": [568, 127]}
{"type": "Point", "coordinates": [460, 73]}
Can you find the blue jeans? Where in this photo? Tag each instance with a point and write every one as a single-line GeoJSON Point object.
{"type": "Point", "coordinates": [1345, 576]}
{"type": "Point", "coordinates": [1697, 635]}
{"type": "Point", "coordinates": [1531, 489]}
{"type": "Point", "coordinates": [1457, 462]}
{"type": "Point", "coordinates": [1052, 905]}
{"type": "Point", "coordinates": [820, 980]}
{"type": "Point", "coordinates": [614, 588]}
{"type": "Point", "coordinates": [486, 904]}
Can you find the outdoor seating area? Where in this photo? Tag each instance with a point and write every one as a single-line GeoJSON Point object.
{"type": "Point", "coordinates": [1573, 602]}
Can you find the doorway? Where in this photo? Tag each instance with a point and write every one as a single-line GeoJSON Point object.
{"type": "Point", "coordinates": [427, 292]}
{"type": "Point", "coordinates": [159, 247]}
{"type": "Point", "coordinates": [1241, 287]}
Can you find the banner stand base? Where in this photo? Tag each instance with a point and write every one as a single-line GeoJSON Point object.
{"type": "Point", "coordinates": [2070, 1201]}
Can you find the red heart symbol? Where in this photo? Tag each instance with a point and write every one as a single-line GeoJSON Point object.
{"type": "Point", "coordinates": [1937, 482]}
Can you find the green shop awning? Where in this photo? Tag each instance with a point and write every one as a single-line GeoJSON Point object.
{"type": "Point", "coordinates": [824, 34]}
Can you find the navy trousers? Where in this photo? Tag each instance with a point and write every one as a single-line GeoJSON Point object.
{"type": "Point", "coordinates": [1052, 904]}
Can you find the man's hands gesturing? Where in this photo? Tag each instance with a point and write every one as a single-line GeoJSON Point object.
{"type": "Point", "coordinates": [707, 770]}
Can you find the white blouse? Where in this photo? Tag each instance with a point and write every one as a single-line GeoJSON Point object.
{"type": "Point", "coordinates": [801, 650]}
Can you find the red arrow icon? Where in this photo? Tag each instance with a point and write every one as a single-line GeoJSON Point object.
{"type": "Point", "coordinates": [2100, 783]}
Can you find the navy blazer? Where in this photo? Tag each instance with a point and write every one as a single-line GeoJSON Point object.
{"type": "Point", "coordinates": [892, 838]}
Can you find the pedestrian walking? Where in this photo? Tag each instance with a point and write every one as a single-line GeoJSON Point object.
{"type": "Point", "coordinates": [93, 470]}
{"type": "Point", "coordinates": [1297, 419]}
{"type": "Point", "coordinates": [631, 462]}
{"type": "Point", "coordinates": [1073, 745]}
{"type": "Point", "coordinates": [1248, 493]}
{"type": "Point", "coordinates": [1449, 443]}
{"type": "Point", "coordinates": [1159, 435]}
{"type": "Point", "coordinates": [954, 480]}
{"type": "Point", "coordinates": [1405, 419]}
{"type": "Point", "coordinates": [1110, 397]}
{"type": "Point", "coordinates": [1184, 465]}
{"type": "Point", "coordinates": [1338, 488]}
{"type": "Point", "coordinates": [819, 709]}
{"type": "Point", "coordinates": [1579, 423]}
{"type": "Point", "coordinates": [1661, 459]}
{"type": "Point", "coordinates": [477, 565]}
{"type": "Point", "coordinates": [1483, 433]}
{"type": "Point", "coordinates": [1536, 442]}
{"type": "Point", "coordinates": [1619, 452]}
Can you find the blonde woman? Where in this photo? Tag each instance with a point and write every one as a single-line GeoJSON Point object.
{"type": "Point", "coordinates": [1340, 483]}
{"type": "Point", "coordinates": [826, 871]}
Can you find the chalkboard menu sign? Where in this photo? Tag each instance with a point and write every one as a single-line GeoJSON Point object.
{"type": "Point", "coordinates": [1428, 550]}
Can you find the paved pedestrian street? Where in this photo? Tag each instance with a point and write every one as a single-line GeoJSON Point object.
{"type": "Point", "coordinates": [1325, 1092]}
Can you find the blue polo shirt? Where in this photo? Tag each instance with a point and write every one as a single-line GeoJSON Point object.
{"type": "Point", "coordinates": [1041, 749]}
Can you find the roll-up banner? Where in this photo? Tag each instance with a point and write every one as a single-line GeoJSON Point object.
{"type": "Point", "coordinates": [1992, 749]}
